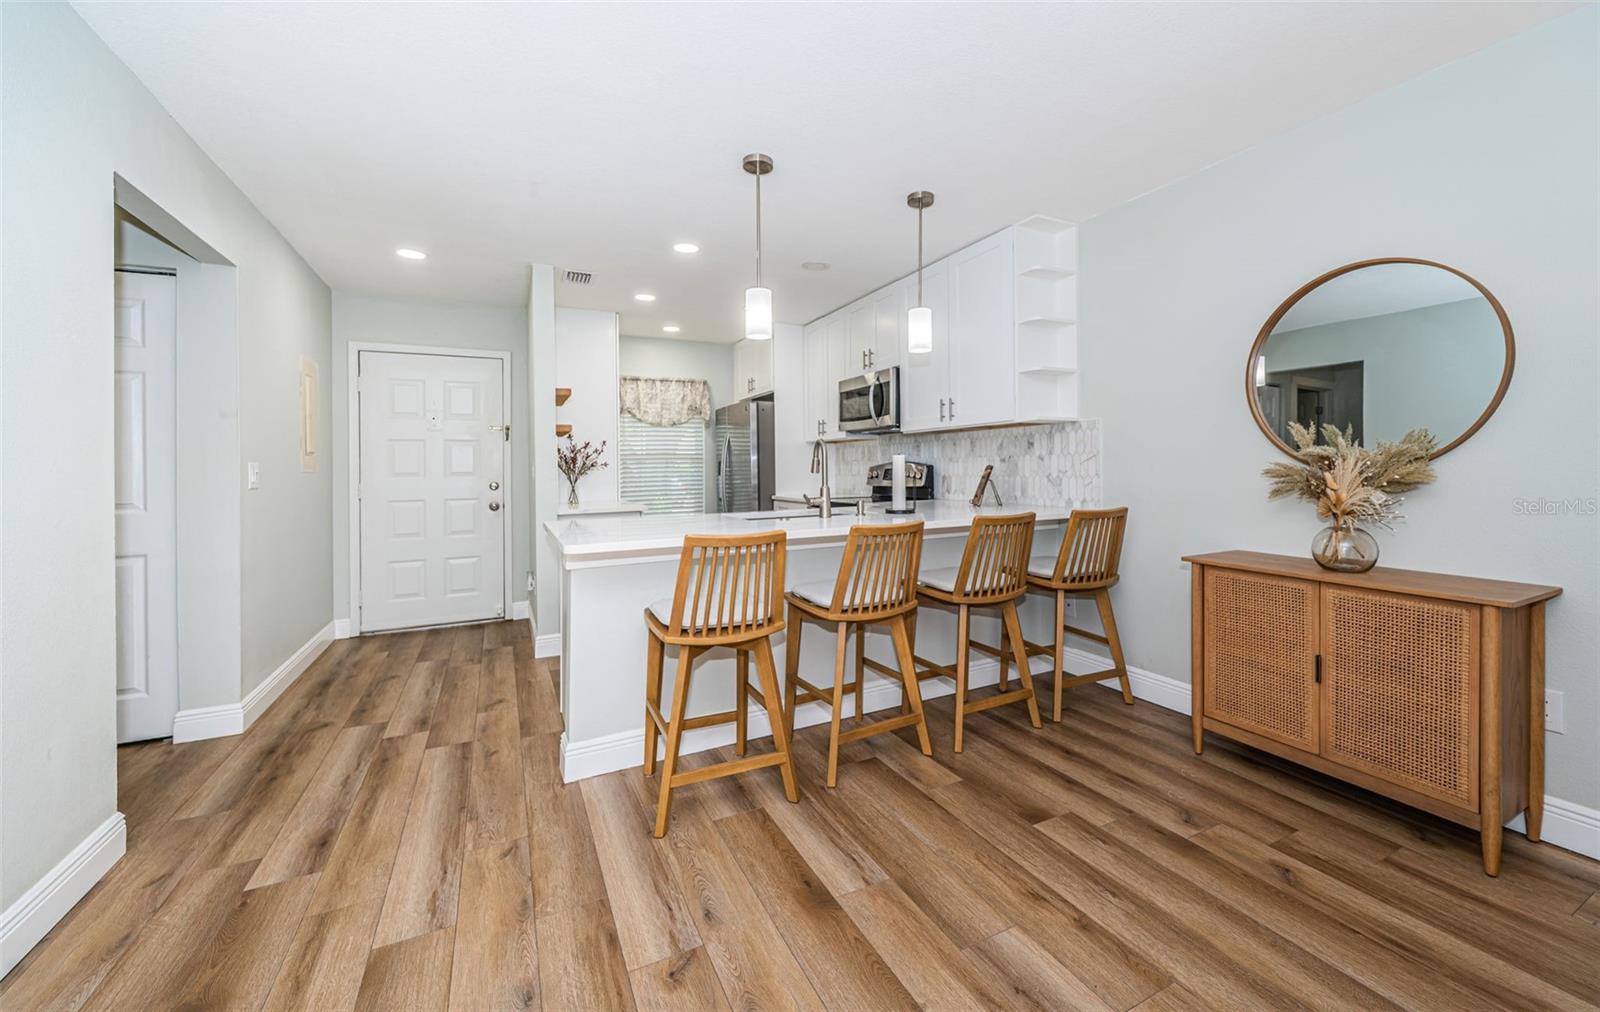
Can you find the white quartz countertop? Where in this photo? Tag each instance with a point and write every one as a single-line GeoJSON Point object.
{"type": "Point", "coordinates": [593, 538]}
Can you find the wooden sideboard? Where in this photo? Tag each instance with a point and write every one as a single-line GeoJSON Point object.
{"type": "Point", "coordinates": [1426, 688]}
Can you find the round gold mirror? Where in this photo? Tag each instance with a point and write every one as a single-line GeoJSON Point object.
{"type": "Point", "coordinates": [1382, 347]}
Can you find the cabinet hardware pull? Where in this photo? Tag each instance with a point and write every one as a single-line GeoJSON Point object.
{"type": "Point", "coordinates": [941, 409]}
{"type": "Point", "coordinates": [952, 409]}
{"type": "Point", "coordinates": [1319, 669]}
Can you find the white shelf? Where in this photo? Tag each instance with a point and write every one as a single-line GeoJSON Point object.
{"type": "Point", "coordinates": [1045, 321]}
{"type": "Point", "coordinates": [1049, 226]}
{"type": "Point", "coordinates": [1045, 272]}
{"type": "Point", "coordinates": [1048, 370]}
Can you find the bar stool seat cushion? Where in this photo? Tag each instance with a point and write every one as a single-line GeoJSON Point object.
{"type": "Point", "coordinates": [940, 579]}
{"type": "Point", "coordinates": [1042, 566]}
{"type": "Point", "coordinates": [662, 610]}
{"type": "Point", "coordinates": [818, 592]}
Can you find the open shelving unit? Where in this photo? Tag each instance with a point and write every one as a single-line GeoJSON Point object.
{"type": "Point", "coordinates": [1046, 255]}
{"type": "Point", "coordinates": [562, 429]}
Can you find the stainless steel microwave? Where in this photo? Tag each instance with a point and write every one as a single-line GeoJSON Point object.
{"type": "Point", "coordinates": [870, 402]}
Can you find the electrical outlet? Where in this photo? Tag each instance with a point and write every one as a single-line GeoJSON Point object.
{"type": "Point", "coordinates": [530, 581]}
{"type": "Point", "coordinates": [252, 475]}
{"type": "Point", "coordinates": [1555, 711]}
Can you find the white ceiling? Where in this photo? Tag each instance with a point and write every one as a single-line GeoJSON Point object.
{"type": "Point", "coordinates": [594, 136]}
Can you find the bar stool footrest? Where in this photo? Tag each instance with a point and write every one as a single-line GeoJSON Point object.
{"type": "Point", "coordinates": [879, 727]}
{"type": "Point", "coordinates": [724, 769]}
{"type": "Point", "coordinates": [999, 699]}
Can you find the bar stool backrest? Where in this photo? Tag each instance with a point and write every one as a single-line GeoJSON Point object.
{"type": "Point", "coordinates": [878, 574]}
{"type": "Point", "coordinates": [1091, 548]}
{"type": "Point", "coordinates": [994, 566]}
{"type": "Point", "coordinates": [730, 587]}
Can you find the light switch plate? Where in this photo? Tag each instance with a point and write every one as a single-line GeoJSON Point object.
{"type": "Point", "coordinates": [252, 475]}
{"type": "Point", "coordinates": [1555, 711]}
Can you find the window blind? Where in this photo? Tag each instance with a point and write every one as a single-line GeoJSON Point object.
{"type": "Point", "coordinates": [663, 467]}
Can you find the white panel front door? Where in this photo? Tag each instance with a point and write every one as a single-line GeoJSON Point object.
{"type": "Point", "coordinates": [431, 489]}
{"type": "Point", "coordinates": [145, 336]}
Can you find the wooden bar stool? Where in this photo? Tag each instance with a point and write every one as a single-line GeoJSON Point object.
{"type": "Point", "coordinates": [993, 574]}
{"type": "Point", "coordinates": [1086, 564]}
{"type": "Point", "coordinates": [876, 585]}
{"type": "Point", "coordinates": [727, 596]}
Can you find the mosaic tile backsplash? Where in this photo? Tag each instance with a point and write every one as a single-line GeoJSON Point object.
{"type": "Point", "coordinates": [1032, 464]}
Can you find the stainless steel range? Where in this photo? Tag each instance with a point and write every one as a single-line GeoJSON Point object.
{"type": "Point", "coordinates": [919, 481]}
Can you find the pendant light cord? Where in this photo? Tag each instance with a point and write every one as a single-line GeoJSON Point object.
{"type": "Point", "coordinates": [758, 222]}
{"type": "Point", "coordinates": [919, 256]}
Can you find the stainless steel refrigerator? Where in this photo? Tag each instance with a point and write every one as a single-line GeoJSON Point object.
{"type": "Point", "coordinates": [743, 434]}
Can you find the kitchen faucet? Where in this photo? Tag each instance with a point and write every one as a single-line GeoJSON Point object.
{"type": "Point", "coordinates": [819, 465]}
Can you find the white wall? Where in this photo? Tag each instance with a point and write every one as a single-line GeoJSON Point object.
{"type": "Point", "coordinates": [1488, 164]}
{"type": "Point", "coordinates": [586, 361]}
{"type": "Point", "coordinates": [73, 117]}
{"type": "Point", "coordinates": [542, 413]}
{"type": "Point", "coordinates": [383, 320]}
{"type": "Point", "coordinates": [662, 358]}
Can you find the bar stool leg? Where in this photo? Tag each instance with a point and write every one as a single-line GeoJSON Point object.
{"type": "Point", "coordinates": [680, 698]}
{"type": "Point", "coordinates": [1108, 621]}
{"type": "Point", "coordinates": [780, 736]}
{"type": "Point", "coordinates": [1024, 674]}
{"type": "Point", "coordinates": [861, 665]}
{"type": "Point", "coordinates": [791, 668]}
{"type": "Point", "coordinates": [1059, 666]}
{"type": "Point", "coordinates": [838, 705]}
{"type": "Point", "coordinates": [741, 701]}
{"type": "Point", "coordinates": [652, 695]}
{"type": "Point", "coordinates": [962, 635]}
{"type": "Point", "coordinates": [911, 635]}
{"type": "Point", "coordinates": [908, 681]}
{"type": "Point", "coordinates": [1005, 657]}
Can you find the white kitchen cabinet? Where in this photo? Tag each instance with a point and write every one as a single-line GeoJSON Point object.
{"type": "Point", "coordinates": [1005, 341]}
{"type": "Point", "coordinates": [983, 355]}
{"type": "Point", "coordinates": [752, 368]}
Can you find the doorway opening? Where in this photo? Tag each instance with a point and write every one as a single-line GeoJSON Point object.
{"type": "Point", "coordinates": [176, 500]}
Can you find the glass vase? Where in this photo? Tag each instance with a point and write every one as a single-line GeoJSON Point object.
{"type": "Point", "coordinates": [1344, 548]}
{"type": "Point", "coordinates": [572, 493]}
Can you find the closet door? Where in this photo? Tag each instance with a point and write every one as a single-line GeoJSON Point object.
{"type": "Point", "coordinates": [1400, 690]}
{"type": "Point", "coordinates": [1261, 655]}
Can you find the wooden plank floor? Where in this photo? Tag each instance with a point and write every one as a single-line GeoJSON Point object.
{"type": "Point", "coordinates": [393, 833]}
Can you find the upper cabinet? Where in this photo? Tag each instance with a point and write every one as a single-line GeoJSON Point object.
{"type": "Point", "coordinates": [752, 368]}
{"type": "Point", "coordinates": [1005, 337]}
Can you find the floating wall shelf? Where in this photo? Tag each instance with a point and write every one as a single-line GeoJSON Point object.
{"type": "Point", "coordinates": [562, 393]}
{"type": "Point", "coordinates": [563, 430]}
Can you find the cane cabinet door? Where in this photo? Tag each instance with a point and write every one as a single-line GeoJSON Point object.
{"type": "Point", "coordinates": [1261, 655]}
{"type": "Point", "coordinates": [1400, 690]}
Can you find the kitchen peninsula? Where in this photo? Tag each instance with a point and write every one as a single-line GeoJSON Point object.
{"type": "Point", "coordinates": [613, 567]}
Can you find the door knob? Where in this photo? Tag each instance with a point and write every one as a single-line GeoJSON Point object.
{"type": "Point", "coordinates": [494, 486]}
{"type": "Point", "coordinates": [494, 506]}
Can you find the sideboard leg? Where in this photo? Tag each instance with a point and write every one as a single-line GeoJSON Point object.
{"type": "Point", "coordinates": [1490, 816]}
{"type": "Point", "coordinates": [1197, 654]}
{"type": "Point", "coordinates": [1535, 816]}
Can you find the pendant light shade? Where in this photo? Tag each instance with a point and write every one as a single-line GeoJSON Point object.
{"type": "Point", "coordinates": [919, 319]}
{"type": "Point", "coordinates": [1261, 370]}
{"type": "Point", "coordinates": [919, 330]}
{"type": "Point", "coordinates": [758, 314]}
{"type": "Point", "coordinates": [758, 298]}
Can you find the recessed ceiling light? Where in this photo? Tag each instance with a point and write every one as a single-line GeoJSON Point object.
{"type": "Point", "coordinates": [410, 254]}
{"type": "Point", "coordinates": [671, 328]}
{"type": "Point", "coordinates": [685, 247]}
{"type": "Point", "coordinates": [814, 265]}
{"type": "Point", "coordinates": [643, 297]}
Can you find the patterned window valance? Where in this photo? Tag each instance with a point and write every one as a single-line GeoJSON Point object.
{"type": "Point", "coordinates": [665, 401]}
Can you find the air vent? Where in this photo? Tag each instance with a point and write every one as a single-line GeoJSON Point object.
{"type": "Point", "coordinates": [579, 277]}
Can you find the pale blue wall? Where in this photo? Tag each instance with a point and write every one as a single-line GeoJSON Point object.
{"type": "Point", "coordinates": [1488, 164]}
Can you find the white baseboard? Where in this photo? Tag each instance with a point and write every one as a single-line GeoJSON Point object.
{"type": "Point", "coordinates": [549, 645]}
{"type": "Point", "coordinates": [38, 910]}
{"type": "Point", "coordinates": [1568, 825]}
{"type": "Point", "coordinates": [520, 610]}
{"type": "Point", "coordinates": [341, 628]}
{"type": "Point", "coordinates": [233, 718]}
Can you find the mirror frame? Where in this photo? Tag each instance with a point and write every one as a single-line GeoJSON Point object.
{"type": "Point", "coordinates": [1310, 286]}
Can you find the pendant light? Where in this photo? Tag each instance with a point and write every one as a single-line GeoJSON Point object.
{"type": "Point", "coordinates": [919, 318]}
{"type": "Point", "coordinates": [1261, 369]}
{"type": "Point", "coordinates": [758, 300]}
